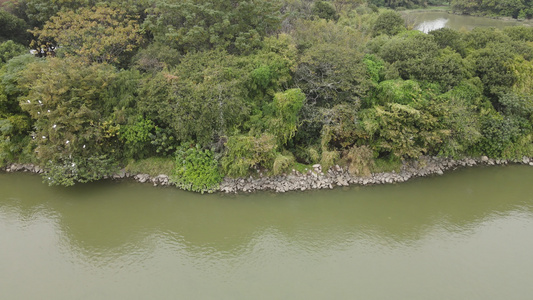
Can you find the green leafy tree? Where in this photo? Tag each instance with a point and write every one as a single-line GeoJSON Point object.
{"type": "Point", "coordinates": [499, 134]}
{"type": "Point", "coordinates": [194, 25]}
{"type": "Point", "coordinates": [10, 49]}
{"type": "Point", "coordinates": [137, 138]}
{"type": "Point", "coordinates": [401, 131]}
{"type": "Point", "coordinates": [493, 65]}
{"type": "Point", "coordinates": [330, 75]}
{"type": "Point", "coordinates": [13, 28]}
{"type": "Point", "coordinates": [405, 124]}
{"type": "Point", "coordinates": [38, 12]}
{"type": "Point", "coordinates": [202, 99]}
{"type": "Point", "coordinates": [417, 56]}
{"type": "Point", "coordinates": [459, 111]}
{"type": "Point", "coordinates": [447, 37]}
{"type": "Point", "coordinates": [465, 6]}
{"type": "Point", "coordinates": [389, 23]}
{"type": "Point", "coordinates": [156, 57]}
{"type": "Point", "coordinates": [65, 98]}
{"type": "Point", "coordinates": [325, 10]}
{"type": "Point", "coordinates": [286, 108]}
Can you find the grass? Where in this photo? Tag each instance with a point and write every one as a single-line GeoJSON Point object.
{"type": "Point", "coordinates": [302, 168]}
{"type": "Point", "coordinates": [152, 166]}
{"type": "Point", "coordinates": [386, 165]}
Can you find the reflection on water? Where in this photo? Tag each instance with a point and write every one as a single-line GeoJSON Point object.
{"type": "Point", "coordinates": [428, 26]}
{"type": "Point", "coordinates": [427, 21]}
{"type": "Point", "coordinates": [471, 230]}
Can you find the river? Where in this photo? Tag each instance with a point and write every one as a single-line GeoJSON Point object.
{"type": "Point", "coordinates": [426, 21]}
{"type": "Point", "coordinates": [465, 235]}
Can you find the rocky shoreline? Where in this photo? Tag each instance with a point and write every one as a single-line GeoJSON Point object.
{"type": "Point", "coordinates": [315, 178]}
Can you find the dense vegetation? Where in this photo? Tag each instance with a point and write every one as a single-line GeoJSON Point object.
{"type": "Point", "coordinates": [231, 88]}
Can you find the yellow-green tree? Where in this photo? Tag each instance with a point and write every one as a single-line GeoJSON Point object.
{"type": "Point", "coordinates": [97, 34]}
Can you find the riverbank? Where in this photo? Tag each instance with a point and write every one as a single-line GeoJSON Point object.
{"type": "Point", "coordinates": [315, 178]}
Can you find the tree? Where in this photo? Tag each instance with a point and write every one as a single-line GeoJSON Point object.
{"type": "Point", "coordinates": [390, 23]}
{"type": "Point", "coordinates": [466, 7]}
{"type": "Point", "coordinates": [13, 28]}
{"type": "Point", "coordinates": [325, 10]}
{"type": "Point", "coordinates": [493, 65]}
{"type": "Point", "coordinates": [202, 99]}
{"type": "Point", "coordinates": [417, 56]}
{"type": "Point", "coordinates": [38, 12]}
{"type": "Point", "coordinates": [194, 25]}
{"type": "Point", "coordinates": [10, 49]}
{"type": "Point", "coordinates": [65, 98]}
{"type": "Point", "coordinates": [447, 37]}
{"type": "Point", "coordinates": [14, 123]}
{"type": "Point", "coordinates": [401, 131]}
{"type": "Point", "coordinates": [96, 34]}
{"type": "Point", "coordinates": [286, 108]}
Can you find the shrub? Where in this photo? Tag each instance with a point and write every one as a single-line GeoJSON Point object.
{"type": "Point", "coordinates": [196, 170]}
{"type": "Point", "coordinates": [137, 138]}
{"type": "Point", "coordinates": [499, 134]}
{"type": "Point", "coordinates": [329, 159]}
{"type": "Point", "coordinates": [282, 163]}
{"type": "Point", "coordinates": [68, 171]}
{"type": "Point", "coordinates": [245, 152]}
{"type": "Point", "coordinates": [360, 160]}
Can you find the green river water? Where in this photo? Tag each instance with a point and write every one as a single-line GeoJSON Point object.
{"type": "Point", "coordinates": [431, 20]}
{"type": "Point", "coordinates": [465, 235]}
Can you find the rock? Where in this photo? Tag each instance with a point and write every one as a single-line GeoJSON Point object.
{"type": "Point", "coordinates": [525, 160]}
{"type": "Point", "coordinates": [142, 178]}
{"type": "Point", "coordinates": [484, 158]}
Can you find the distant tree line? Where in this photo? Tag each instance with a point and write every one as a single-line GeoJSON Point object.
{"type": "Point", "coordinates": [518, 9]}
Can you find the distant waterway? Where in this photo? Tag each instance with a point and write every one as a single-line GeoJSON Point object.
{"type": "Point", "coordinates": [427, 21]}
{"type": "Point", "coordinates": [465, 235]}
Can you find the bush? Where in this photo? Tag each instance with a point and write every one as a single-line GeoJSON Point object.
{"type": "Point", "coordinates": [282, 163]}
{"type": "Point", "coordinates": [329, 159]}
{"type": "Point", "coordinates": [137, 138]}
{"type": "Point", "coordinates": [196, 170]}
{"type": "Point", "coordinates": [245, 152]}
{"type": "Point", "coordinates": [499, 134]}
{"type": "Point", "coordinates": [360, 160]}
{"type": "Point", "coordinates": [67, 172]}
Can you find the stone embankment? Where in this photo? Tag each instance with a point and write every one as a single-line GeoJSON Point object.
{"type": "Point", "coordinates": [337, 176]}
{"type": "Point", "coordinates": [316, 178]}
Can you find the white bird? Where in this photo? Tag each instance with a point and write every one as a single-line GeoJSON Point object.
{"type": "Point", "coordinates": [67, 142]}
{"type": "Point", "coordinates": [54, 126]}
